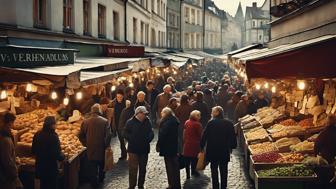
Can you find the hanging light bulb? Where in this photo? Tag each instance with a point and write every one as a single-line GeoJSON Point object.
{"type": "Point", "coordinates": [29, 87]}
{"type": "Point", "coordinates": [266, 85]}
{"type": "Point", "coordinates": [147, 70]}
{"type": "Point", "coordinates": [66, 101]}
{"type": "Point", "coordinates": [190, 66]}
{"type": "Point", "coordinates": [113, 88]}
{"type": "Point", "coordinates": [3, 94]}
{"type": "Point", "coordinates": [273, 89]}
{"type": "Point", "coordinates": [175, 72]}
{"type": "Point", "coordinates": [79, 95]}
{"type": "Point", "coordinates": [242, 74]}
{"type": "Point", "coordinates": [301, 84]}
{"type": "Point", "coordinates": [131, 85]}
{"type": "Point", "coordinates": [257, 86]}
{"type": "Point", "coordinates": [53, 95]}
{"type": "Point", "coordinates": [135, 75]}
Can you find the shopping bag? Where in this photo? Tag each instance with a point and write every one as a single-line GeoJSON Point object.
{"type": "Point", "coordinates": [201, 164]}
{"type": "Point", "coordinates": [109, 162]}
{"type": "Point", "coordinates": [182, 162]}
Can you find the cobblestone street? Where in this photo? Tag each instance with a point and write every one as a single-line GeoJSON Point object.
{"type": "Point", "coordinates": [156, 175]}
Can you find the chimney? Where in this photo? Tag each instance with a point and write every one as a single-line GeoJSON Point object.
{"type": "Point", "coordinates": [254, 4]}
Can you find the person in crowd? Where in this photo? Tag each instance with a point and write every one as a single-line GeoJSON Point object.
{"type": "Point", "coordinates": [241, 108]}
{"type": "Point", "coordinates": [251, 107]}
{"type": "Point", "coordinates": [182, 112]}
{"type": "Point", "coordinates": [325, 147]}
{"type": "Point", "coordinates": [47, 149]}
{"type": "Point", "coordinates": [160, 83]}
{"type": "Point", "coordinates": [125, 115]}
{"type": "Point", "coordinates": [117, 105]}
{"type": "Point", "coordinates": [162, 101]}
{"type": "Point", "coordinates": [201, 106]}
{"type": "Point", "coordinates": [129, 95]}
{"type": "Point", "coordinates": [106, 113]}
{"type": "Point", "coordinates": [167, 146]}
{"type": "Point", "coordinates": [209, 99]}
{"type": "Point", "coordinates": [191, 142]}
{"type": "Point", "coordinates": [222, 97]}
{"type": "Point", "coordinates": [219, 139]}
{"type": "Point", "coordinates": [9, 178]}
{"type": "Point", "coordinates": [261, 101]}
{"type": "Point", "coordinates": [141, 96]}
{"type": "Point", "coordinates": [171, 82]}
{"type": "Point", "coordinates": [231, 106]}
{"type": "Point", "coordinates": [151, 93]}
{"type": "Point", "coordinates": [173, 104]}
{"type": "Point", "coordinates": [139, 134]}
{"type": "Point", "coordinates": [95, 135]}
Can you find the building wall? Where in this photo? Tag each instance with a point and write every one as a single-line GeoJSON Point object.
{"type": "Point", "coordinates": [310, 24]}
{"type": "Point", "coordinates": [173, 23]}
{"type": "Point", "coordinates": [192, 26]}
{"type": "Point", "coordinates": [212, 31]}
{"type": "Point", "coordinates": [231, 33]}
{"type": "Point", "coordinates": [256, 31]}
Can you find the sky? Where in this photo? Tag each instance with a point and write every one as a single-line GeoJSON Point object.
{"type": "Point", "coordinates": [231, 6]}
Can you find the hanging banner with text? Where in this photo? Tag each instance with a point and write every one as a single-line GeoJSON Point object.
{"type": "Point", "coordinates": [125, 51]}
{"type": "Point", "coordinates": [28, 57]}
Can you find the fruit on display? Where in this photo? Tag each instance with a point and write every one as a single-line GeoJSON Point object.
{"type": "Point", "coordinates": [290, 131]}
{"type": "Point", "coordinates": [303, 146]}
{"type": "Point", "coordinates": [256, 134]}
{"type": "Point", "coordinates": [286, 142]}
{"type": "Point", "coordinates": [268, 157]}
{"type": "Point", "coordinates": [251, 125]}
{"type": "Point", "coordinates": [262, 148]}
{"type": "Point", "coordinates": [290, 158]}
{"type": "Point", "coordinates": [276, 128]}
{"type": "Point", "coordinates": [306, 123]}
{"type": "Point", "coordinates": [298, 170]}
{"type": "Point", "coordinates": [288, 122]}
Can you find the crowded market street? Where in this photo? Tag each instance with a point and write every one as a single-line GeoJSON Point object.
{"type": "Point", "coordinates": [156, 173]}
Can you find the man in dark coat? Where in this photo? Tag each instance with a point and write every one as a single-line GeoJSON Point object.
{"type": "Point", "coordinates": [167, 146]}
{"type": "Point", "coordinates": [8, 172]}
{"type": "Point", "coordinates": [140, 101]}
{"type": "Point", "coordinates": [219, 139]}
{"type": "Point", "coordinates": [126, 114]}
{"type": "Point", "coordinates": [47, 149]}
{"type": "Point", "coordinates": [95, 134]}
{"type": "Point", "coordinates": [261, 101]}
{"type": "Point", "coordinates": [201, 106]}
{"type": "Point", "coordinates": [139, 134]}
{"type": "Point", "coordinates": [151, 93]}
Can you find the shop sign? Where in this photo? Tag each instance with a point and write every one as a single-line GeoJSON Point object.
{"type": "Point", "coordinates": [125, 51]}
{"type": "Point", "coordinates": [21, 57]}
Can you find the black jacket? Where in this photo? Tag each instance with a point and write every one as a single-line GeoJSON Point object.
{"type": "Point", "coordinates": [46, 147]}
{"type": "Point", "coordinates": [204, 109]}
{"type": "Point", "coordinates": [168, 136]}
{"type": "Point", "coordinates": [126, 114]}
{"type": "Point", "coordinates": [139, 135]}
{"type": "Point", "coordinates": [152, 96]}
{"type": "Point", "coordinates": [219, 138]}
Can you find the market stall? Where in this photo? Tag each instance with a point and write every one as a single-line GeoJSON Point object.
{"type": "Point", "coordinates": [278, 141]}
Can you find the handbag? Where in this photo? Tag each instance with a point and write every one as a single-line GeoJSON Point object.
{"type": "Point", "coordinates": [182, 162]}
{"type": "Point", "coordinates": [109, 161]}
{"type": "Point", "coordinates": [201, 164]}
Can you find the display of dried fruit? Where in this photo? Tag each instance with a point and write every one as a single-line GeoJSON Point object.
{"type": "Point", "coordinates": [288, 122]}
{"type": "Point", "coordinates": [289, 132]}
{"type": "Point", "coordinates": [303, 146]}
{"type": "Point", "coordinates": [286, 142]}
{"type": "Point", "coordinates": [291, 158]}
{"type": "Point", "coordinates": [288, 171]}
{"type": "Point", "coordinates": [268, 157]}
{"type": "Point", "coordinates": [258, 134]}
{"type": "Point", "coordinates": [262, 148]}
{"type": "Point", "coordinates": [306, 123]}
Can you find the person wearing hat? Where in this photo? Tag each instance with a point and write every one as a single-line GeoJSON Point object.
{"type": "Point", "coordinates": [95, 135]}
{"type": "Point", "coordinates": [47, 150]}
{"type": "Point", "coordinates": [139, 134]}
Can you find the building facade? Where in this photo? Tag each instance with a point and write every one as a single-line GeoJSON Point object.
{"type": "Point", "coordinates": [158, 26]}
{"type": "Point", "coordinates": [256, 26]}
{"type": "Point", "coordinates": [173, 24]}
{"type": "Point", "coordinates": [212, 24]}
{"type": "Point", "coordinates": [231, 33]}
{"type": "Point", "coordinates": [192, 29]}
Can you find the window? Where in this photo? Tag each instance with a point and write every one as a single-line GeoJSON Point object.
{"type": "Point", "coordinates": [187, 15]}
{"type": "Point", "coordinates": [86, 17]}
{"type": "Point", "coordinates": [153, 37]}
{"type": "Point", "coordinates": [253, 23]}
{"type": "Point", "coordinates": [135, 30]}
{"type": "Point", "coordinates": [101, 21]}
{"type": "Point", "coordinates": [39, 13]}
{"type": "Point", "coordinates": [260, 37]}
{"type": "Point", "coordinates": [198, 41]}
{"type": "Point", "coordinates": [116, 27]}
{"type": "Point", "coordinates": [198, 17]}
{"type": "Point", "coordinates": [147, 34]}
{"type": "Point", "coordinates": [159, 38]}
{"type": "Point", "coordinates": [192, 41]}
{"type": "Point", "coordinates": [153, 5]}
{"type": "Point", "coordinates": [67, 14]}
{"type": "Point", "coordinates": [193, 16]}
{"type": "Point", "coordinates": [164, 11]}
{"type": "Point", "coordinates": [186, 40]}
{"type": "Point", "coordinates": [158, 7]}
{"type": "Point", "coordinates": [142, 28]}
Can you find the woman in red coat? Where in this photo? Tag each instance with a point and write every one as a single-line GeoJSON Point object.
{"type": "Point", "coordinates": [192, 138]}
